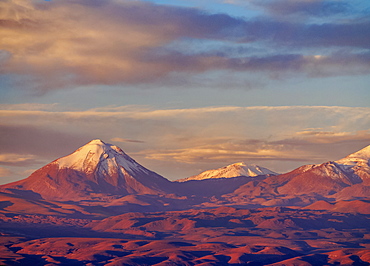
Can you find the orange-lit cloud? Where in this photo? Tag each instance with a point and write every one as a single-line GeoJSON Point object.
{"type": "Point", "coordinates": [58, 44]}
{"type": "Point", "coordinates": [334, 137]}
{"type": "Point", "coordinates": [225, 154]}
{"type": "Point", "coordinates": [16, 159]}
{"type": "Point", "coordinates": [76, 42]}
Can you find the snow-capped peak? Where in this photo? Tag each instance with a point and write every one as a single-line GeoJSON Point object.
{"type": "Point", "coordinates": [97, 168]}
{"type": "Point", "coordinates": [96, 142]}
{"type": "Point", "coordinates": [357, 164]}
{"type": "Point", "coordinates": [361, 156]}
{"type": "Point", "coordinates": [96, 154]}
{"type": "Point", "coordinates": [233, 170]}
{"type": "Point", "coordinates": [250, 170]}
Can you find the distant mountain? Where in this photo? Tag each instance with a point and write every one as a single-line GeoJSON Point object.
{"type": "Point", "coordinates": [95, 168]}
{"type": "Point", "coordinates": [345, 179]}
{"type": "Point", "coordinates": [233, 170]}
{"type": "Point", "coordinates": [330, 177]}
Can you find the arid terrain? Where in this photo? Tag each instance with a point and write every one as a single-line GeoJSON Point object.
{"type": "Point", "coordinates": [98, 206]}
{"type": "Point", "coordinates": [220, 236]}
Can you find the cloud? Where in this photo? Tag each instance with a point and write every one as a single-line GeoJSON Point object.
{"type": "Point", "coordinates": [17, 159]}
{"type": "Point", "coordinates": [204, 119]}
{"type": "Point", "coordinates": [313, 65]}
{"type": "Point", "coordinates": [29, 106]}
{"type": "Point", "coordinates": [79, 53]}
{"type": "Point", "coordinates": [58, 44]}
{"type": "Point", "coordinates": [317, 8]}
{"type": "Point", "coordinates": [325, 137]}
{"type": "Point", "coordinates": [318, 140]}
{"type": "Point", "coordinates": [226, 153]}
{"type": "Point", "coordinates": [308, 147]}
{"type": "Point", "coordinates": [126, 140]}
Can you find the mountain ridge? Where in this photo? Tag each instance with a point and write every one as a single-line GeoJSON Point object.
{"type": "Point", "coordinates": [98, 171]}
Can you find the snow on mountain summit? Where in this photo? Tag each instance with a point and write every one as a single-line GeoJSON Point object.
{"type": "Point", "coordinates": [350, 174]}
{"type": "Point", "coordinates": [98, 155]}
{"type": "Point", "coordinates": [233, 170]}
{"type": "Point", "coordinates": [250, 170]}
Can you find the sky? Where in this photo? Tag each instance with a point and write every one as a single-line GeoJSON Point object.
{"type": "Point", "coordinates": [184, 86]}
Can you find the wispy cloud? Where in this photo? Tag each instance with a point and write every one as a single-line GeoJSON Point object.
{"type": "Point", "coordinates": [126, 140]}
{"type": "Point", "coordinates": [306, 146]}
{"type": "Point", "coordinates": [327, 137]}
{"type": "Point", "coordinates": [227, 153]}
{"type": "Point", "coordinates": [304, 7]}
{"type": "Point", "coordinates": [17, 159]}
{"type": "Point", "coordinates": [29, 106]}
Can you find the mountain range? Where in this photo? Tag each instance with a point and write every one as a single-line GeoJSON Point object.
{"type": "Point", "coordinates": [98, 206]}
{"type": "Point", "coordinates": [99, 170]}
